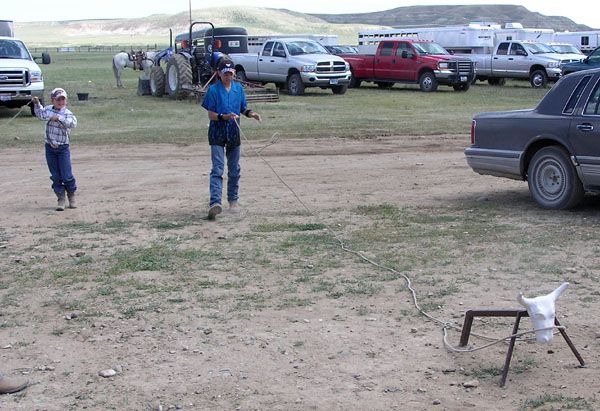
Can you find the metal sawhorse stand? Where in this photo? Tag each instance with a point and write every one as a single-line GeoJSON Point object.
{"type": "Point", "coordinates": [518, 314]}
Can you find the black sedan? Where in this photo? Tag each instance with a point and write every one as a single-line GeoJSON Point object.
{"type": "Point", "coordinates": [554, 147]}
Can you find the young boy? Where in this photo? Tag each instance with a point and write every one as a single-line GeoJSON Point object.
{"type": "Point", "coordinates": [59, 121]}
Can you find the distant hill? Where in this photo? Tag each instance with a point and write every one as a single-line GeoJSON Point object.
{"type": "Point", "coordinates": [437, 16]}
{"type": "Point", "coordinates": [154, 29]}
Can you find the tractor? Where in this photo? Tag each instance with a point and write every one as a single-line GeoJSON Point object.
{"type": "Point", "coordinates": [193, 61]}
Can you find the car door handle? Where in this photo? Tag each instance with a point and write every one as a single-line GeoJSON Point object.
{"type": "Point", "coordinates": [510, 58]}
{"type": "Point", "coordinates": [260, 59]}
{"type": "Point", "coordinates": [585, 127]}
{"type": "Point", "coordinates": [272, 61]}
{"type": "Point", "coordinates": [495, 58]}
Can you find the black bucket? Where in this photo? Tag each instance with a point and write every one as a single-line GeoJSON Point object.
{"type": "Point", "coordinates": [82, 96]}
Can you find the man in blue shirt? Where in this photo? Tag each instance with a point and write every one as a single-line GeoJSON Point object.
{"type": "Point", "coordinates": [225, 101]}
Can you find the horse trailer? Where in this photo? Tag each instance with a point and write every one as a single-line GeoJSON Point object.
{"type": "Point", "coordinates": [586, 41]}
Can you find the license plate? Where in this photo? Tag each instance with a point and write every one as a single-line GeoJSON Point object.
{"type": "Point", "coordinates": [463, 78]}
{"type": "Point", "coordinates": [333, 81]}
{"type": "Point", "coordinates": [5, 98]}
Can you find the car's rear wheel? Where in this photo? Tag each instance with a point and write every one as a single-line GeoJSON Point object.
{"type": "Point", "coordinates": [553, 180]}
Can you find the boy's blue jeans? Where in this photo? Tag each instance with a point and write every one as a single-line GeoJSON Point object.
{"type": "Point", "coordinates": [218, 155]}
{"type": "Point", "coordinates": [59, 164]}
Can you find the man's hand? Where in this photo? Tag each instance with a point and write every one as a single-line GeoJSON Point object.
{"type": "Point", "coordinates": [35, 101]}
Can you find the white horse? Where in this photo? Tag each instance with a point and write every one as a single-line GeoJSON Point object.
{"type": "Point", "coordinates": [138, 60]}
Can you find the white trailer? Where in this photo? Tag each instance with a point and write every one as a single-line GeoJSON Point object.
{"type": "Point", "coordinates": [474, 38]}
{"type": "Point", "coordinates": [256, 42]}
{"type": "Point", "coordinates": [586, 41]}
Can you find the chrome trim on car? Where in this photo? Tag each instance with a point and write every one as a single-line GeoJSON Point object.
{"type": "Point", "coordinates": [500, 163]}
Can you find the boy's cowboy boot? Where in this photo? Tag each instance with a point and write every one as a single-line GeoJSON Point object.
{"type": "Point", "coordinates": [60, 206]}
{"type": "Point", "coordinates": [71, 197]}
{"type": "Point", "coordinates": [10, 385]}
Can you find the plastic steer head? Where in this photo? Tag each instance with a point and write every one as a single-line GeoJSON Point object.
{"type": "Point", "coordinates": [542, 312]}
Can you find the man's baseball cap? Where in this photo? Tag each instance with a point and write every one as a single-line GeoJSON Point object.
{"type": "Point", "coordinates": [226, 65]}
{"type": "Point", "coordinates": [58, 92]}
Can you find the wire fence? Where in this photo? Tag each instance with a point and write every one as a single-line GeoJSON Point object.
{"type": "Point", "coordinates": [98, 49]}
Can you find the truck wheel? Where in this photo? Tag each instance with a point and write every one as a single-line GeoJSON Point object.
{"type": "Point", "coordinates": [538, 79]}
{"type": "Point", "coordinates": [179, 73]}
{"type": "Point", "coordinates": [157, 81]}
{"type": "Point", "coordinates": [240, 75]}
{"type": "Point", "coordinates": [428, 82]}
{"type": "Point", "coordinates": [295, 86]}
{"type": "Point", "coordinates": [497, 81]}
{"type": "Point", "coordinates": [461, 87]}
{"type": "Point", "coordinates": [339, 89]}
{"type": "Point", "coordinates": [552, 179]}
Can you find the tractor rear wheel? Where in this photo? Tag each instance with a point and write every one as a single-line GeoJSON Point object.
{"type": "Point", "coordinates": [179, 73]}
{"type": "Point", "coordinates": [157, 81]}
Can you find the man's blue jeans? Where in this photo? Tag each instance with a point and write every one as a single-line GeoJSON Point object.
{"type": "Point", "coordinates": [218, 155]}
{"type": "Point", "coordinates": [59, 164]}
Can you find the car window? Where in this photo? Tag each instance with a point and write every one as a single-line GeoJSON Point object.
{"type": "Point", "coordinates": [403, 47]}
{"type": "Point", "coordinates": [267, 49]}
{"type": "Point", "coordinates": [516, 49]}
{"type": "Point", "coordinates": [278, 50]}
{"type": "Point", "coordinates": [591, 108]}
{"type": "Point", "coordinates": [386, 49]}
{"type": "Point", "coordinates": [572, 103]}
{"type": "Point", "coordinates": [502, 49]}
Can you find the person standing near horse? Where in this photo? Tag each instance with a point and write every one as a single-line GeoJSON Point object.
{"type": "Point", "coordinates": [225, 100]}
{"type": "Point", "coordinates": [59, 122]}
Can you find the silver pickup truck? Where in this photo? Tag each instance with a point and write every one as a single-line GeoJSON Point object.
{"type": "Point", "coordinates": [20, 76]}
{"type": "Point", "coordinates": [294, 64]}
{"type": "Point", "coordinates": [519, 60]}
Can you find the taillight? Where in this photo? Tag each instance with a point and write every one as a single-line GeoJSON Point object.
{"type": "Point", "coordinates": [473, 125]}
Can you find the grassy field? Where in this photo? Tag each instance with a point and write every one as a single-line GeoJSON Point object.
{"type": "Point", "coordinates": [113, 115]}
{"type": "Point", "coordinates": [240, 313]}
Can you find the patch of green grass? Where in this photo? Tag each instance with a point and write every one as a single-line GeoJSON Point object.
{"type": "Point", "coordinates": [556, 400]}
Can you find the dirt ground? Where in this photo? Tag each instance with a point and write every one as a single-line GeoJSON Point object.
{"type": "Point", "coordinates": [179, 352]}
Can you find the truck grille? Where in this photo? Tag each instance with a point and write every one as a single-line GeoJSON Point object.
{"type": "Point", "coordinates": [15, 77]}
{"type": "Point", "coordinates": [465, 67]}
{"type": "Point", "coordinates": [331, 67]}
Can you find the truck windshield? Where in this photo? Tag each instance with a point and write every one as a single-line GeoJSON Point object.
{"type": "Point", "coordinates": [13, 49]}
{"type": "Point", "coordinates": [538, 48]}
{"type": "Point", "coordinates": [430, 48]}
{"type": "Point", "coordinates": [305, 47]}
{"type": "Point", "coordinates": [565, 49]}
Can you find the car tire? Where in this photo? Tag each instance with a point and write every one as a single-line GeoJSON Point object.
{"type": "Point", "coordinates": [497, 81]}
{"type": "Point", "coordinates": [179, 73]}
{"type": "Point", "coordinates": [240, 75]}
{"type": "Point", "coordinates": [354, 82]}
{"type": "Point", "coordinates": [462, 87]}
{"type": "Point", "coordinates": [339, 89]}
{"type": "Point", "coordinates": [428, 82]}
{"type": "Point", "coordinates": [538, 79]}
{"type": "Point", "coordinates": [553, 180]}
{"type": "Point", "coordinates": [157, 81]}
{"type": "Point", "coordinates": [295, 87]}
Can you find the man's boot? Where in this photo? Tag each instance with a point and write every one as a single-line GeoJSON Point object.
{"type": "Point", "coordinates": [60, 206]}
{"type": "Point", "coordinates": [10, 385]}
{"type": "Point", "coordinates": [71, 197]}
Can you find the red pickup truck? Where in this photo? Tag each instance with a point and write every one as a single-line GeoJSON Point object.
{"type": "Point", "coordinates": [411, 61]}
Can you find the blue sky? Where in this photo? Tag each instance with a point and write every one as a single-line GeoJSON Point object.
{"type": "Point", "coordinates": [43, 10]}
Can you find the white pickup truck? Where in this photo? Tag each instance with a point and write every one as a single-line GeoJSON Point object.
{"type": "Point", "coordinates": [294, 64]}
{"type": "Point", "coordinates": [519, 60]}
{"type": "Point", "coordinates": [20, 76]}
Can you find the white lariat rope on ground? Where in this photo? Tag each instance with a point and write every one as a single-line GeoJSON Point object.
{"type": "Point", "coordinates": [15, 116]}
{"type": "Point", "coordinates": [446, 325]}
